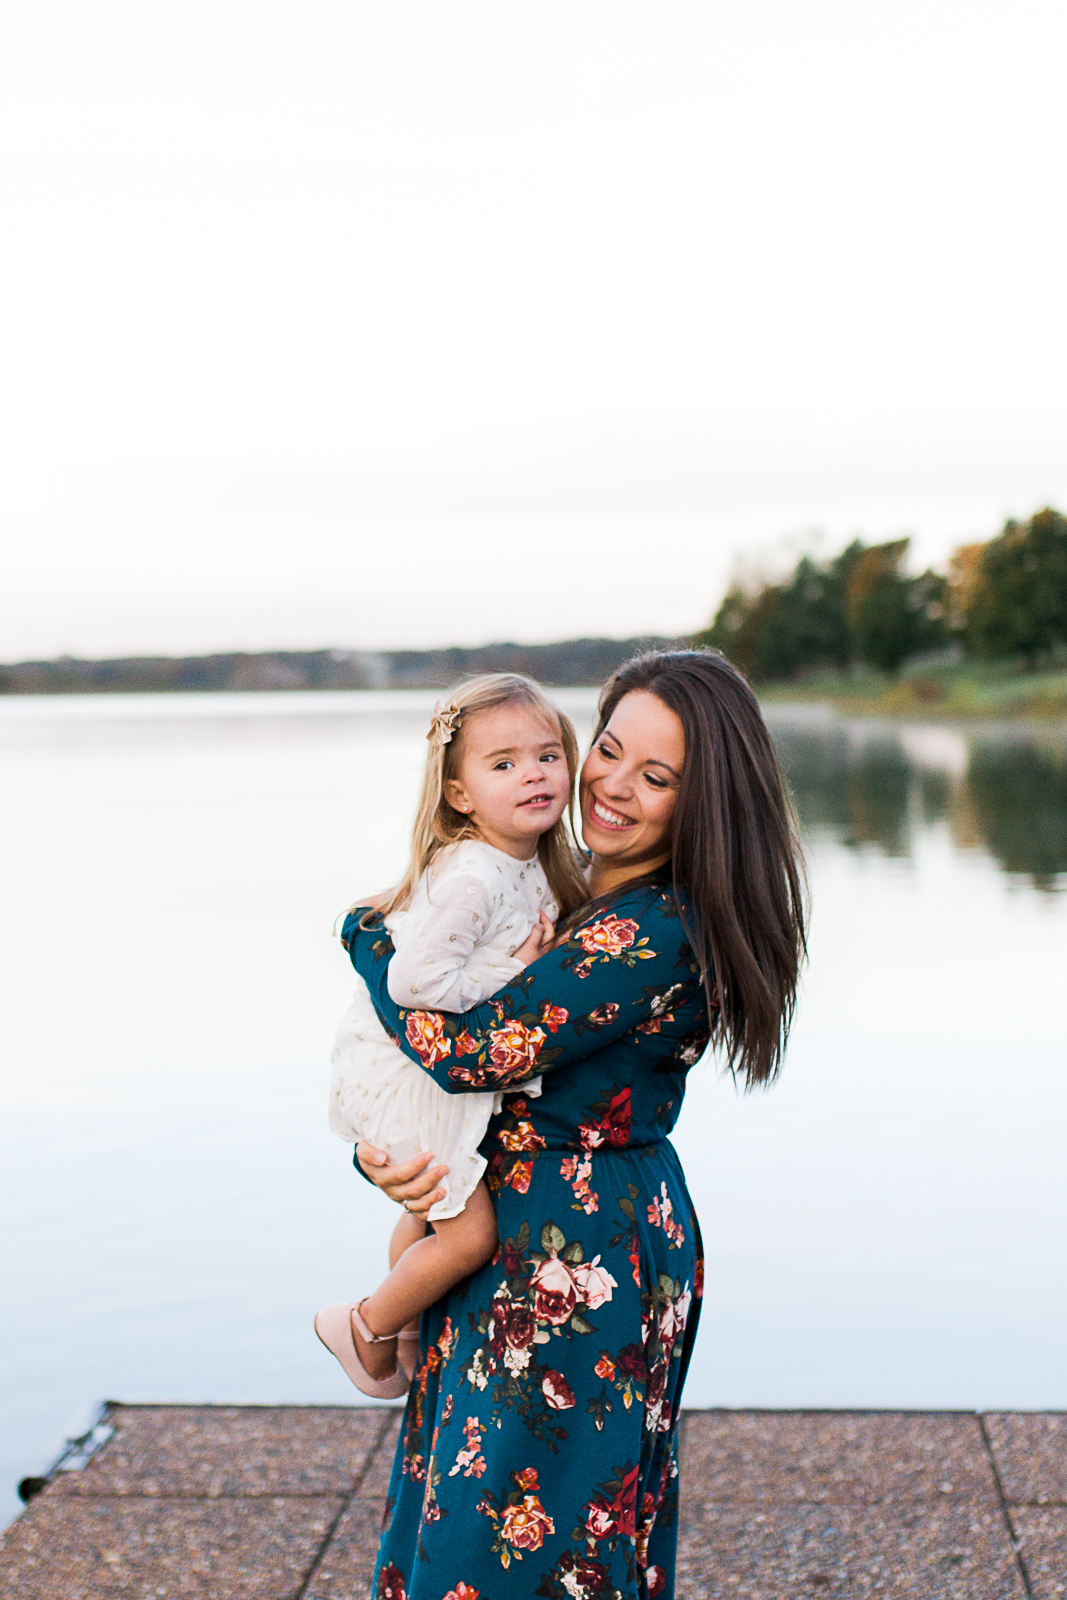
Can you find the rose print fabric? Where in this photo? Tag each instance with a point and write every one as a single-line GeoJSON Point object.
{"type": "Point", "coordinates": [538, 1454]}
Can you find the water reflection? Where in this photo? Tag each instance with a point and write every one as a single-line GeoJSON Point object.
{"type": "Point", "coordinates": [872, 785]}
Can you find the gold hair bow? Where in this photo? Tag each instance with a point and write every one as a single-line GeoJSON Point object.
{"type": "Point", "coordinates": [444, 723]}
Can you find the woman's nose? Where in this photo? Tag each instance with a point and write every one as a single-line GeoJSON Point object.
{"type": "Point", "coordinates": [616, 784]}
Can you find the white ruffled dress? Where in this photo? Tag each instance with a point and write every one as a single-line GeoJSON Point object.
{"type": "Point", "coordinates": [455, 945]}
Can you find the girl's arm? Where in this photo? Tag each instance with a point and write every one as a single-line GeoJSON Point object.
{"type": "Point", "coordinates": [614, 970]}
{"type": "Point", "coordinates": [435, 965]}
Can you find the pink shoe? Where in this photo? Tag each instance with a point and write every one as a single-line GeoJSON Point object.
{"type": "Point", "coordinates": [333, 1324]}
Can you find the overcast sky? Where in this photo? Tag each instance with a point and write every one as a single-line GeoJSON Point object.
{"type": "Point", "coordinates": [401, 323]}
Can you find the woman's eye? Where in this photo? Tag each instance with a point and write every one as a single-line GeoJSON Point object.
{"type": "Point", "coordinates": [657, 783]}
{"type": "Point", "coordinates": [606, 751]}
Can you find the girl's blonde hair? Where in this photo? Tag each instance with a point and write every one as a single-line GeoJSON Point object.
{"type": "Point", "coordinates": [438, 824]}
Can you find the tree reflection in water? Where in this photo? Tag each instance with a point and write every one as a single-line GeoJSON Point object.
{"type": "Point", "coordinates": [874, 786]}
{"type": "Point", "coordinates": [1020, 802]}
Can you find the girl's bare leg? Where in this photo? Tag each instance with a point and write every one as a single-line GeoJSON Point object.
{"type": "Point", "coordinates": [423, 1271]}
{"type": "Point", "coordinates": [408, 1231]}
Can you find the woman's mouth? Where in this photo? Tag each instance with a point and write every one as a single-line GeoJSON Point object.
{"type": "Point", "coordinates": [608, 818]}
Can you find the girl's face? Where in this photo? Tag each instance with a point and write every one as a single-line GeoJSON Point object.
{"type": "Point", "coordinates": [512, 779]}
{"type": "Point", "coordinates": [629, 784]}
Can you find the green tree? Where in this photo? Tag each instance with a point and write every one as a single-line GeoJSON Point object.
{"type": "Point", "coordinates": [745, 629]}
{"type": "Point", "coordinates": [784, 628]}
{"type": "Point", "coordinates": [812, 621]}
{"type": "Point", "coordinates": [890, 615]}
{"type": "Point", "coordinates": [1017, 603]}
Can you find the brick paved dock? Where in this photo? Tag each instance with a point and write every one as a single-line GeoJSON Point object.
{"type": "Point", "coordinates": [283, 1503]}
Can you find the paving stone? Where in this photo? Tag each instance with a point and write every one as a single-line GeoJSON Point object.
{"type": "Point", "coordinates": [249, 1503]}
{"type": "Point", "coordinates": [229, 1450]}
{"type": "Point", "coordinates": [1042, 1536]}
{"type": "Point", "coordinates": [375, 1482]}
{"type": "Point", "coordinates": [843, 1457]}
{"type": "Point", "coordinates": [82, 1548]}
{"type": "Point", "coordinates": [1030, 1449]}
{"type": "Point", "coordinates": [346, 1567]}
{"type": "Point", "coordinates": [945, 1552]}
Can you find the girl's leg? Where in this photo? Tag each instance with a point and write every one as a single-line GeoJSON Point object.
{"type": "Point", "coordinates": [408, 1231]}
{"type": "Point", "coordinates": [452, 1249]}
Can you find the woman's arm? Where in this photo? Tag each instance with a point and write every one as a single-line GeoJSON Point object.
{"type": "Point", "coordinates": [612, 972]}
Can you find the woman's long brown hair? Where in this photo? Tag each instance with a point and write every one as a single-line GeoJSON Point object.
{"type": "Point", "coordinates": [735, 851]}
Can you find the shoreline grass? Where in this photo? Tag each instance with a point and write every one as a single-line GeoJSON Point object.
{"type": "Point", "coordinates": [937, 690]}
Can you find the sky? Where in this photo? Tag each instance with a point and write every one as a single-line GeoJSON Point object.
{"type": "Point", "coordinates": [386, 325]}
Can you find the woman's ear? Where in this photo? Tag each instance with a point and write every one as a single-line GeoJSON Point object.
{"type": "Point", "coordinates": [456, 795]}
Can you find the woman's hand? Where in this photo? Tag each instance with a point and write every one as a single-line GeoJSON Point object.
{"type": "Point", "coordinates": [412, 1184]}
{"type": "Point", "coordinates": [537, 941]}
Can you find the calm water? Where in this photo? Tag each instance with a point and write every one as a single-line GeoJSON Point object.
{"type": "Point", "coordinates": [884, 1228]}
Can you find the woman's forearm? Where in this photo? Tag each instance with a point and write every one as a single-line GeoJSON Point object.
{"type": "Point", "coordinates": [606, 977]}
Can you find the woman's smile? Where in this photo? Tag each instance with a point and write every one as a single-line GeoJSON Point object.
{"type": "Point", "coordinates": [629, 789]}
{"type": "Point", "coordinates": [609, 818]}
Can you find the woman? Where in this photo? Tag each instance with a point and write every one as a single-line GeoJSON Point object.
{"type": "Point", "coordinates": [538, 1454]}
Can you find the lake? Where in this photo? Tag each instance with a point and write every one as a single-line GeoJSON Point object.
{"type": "Point", "coordinates": [885, 1227]}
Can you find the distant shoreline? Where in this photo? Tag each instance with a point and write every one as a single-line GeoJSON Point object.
{"type": "Point", "coordinates": [573, 663]}
{"type": "Point", "coordinates": [939, 691]}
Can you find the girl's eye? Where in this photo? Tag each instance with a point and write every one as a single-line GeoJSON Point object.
{"type": "Point", "coordinates": [502, 766]}
{"type": "Point", "coordinates": [550, 755]}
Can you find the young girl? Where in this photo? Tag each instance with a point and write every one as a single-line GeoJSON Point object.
{"type": "Point", "coordinates": [492, 867]}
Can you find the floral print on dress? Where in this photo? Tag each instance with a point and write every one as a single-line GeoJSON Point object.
{"type": "Point", "coordinates": [390, 1585]}
{"type": "Point", "coordinates": [541, 1425]}
{"type": "Point", "coordinates": [437, 1356]}
{"type": "Point", "coordinates": [520, 1520]}
{"type": "Point", "coordinates": [470, 1460]}
{"type": "Point", "coordinates": [512, 1164]}
{"type": "Point", "coordinates": [607, 1122]}
{"type": "Point", "coordinates": [508, 1052]}
{"type": "Point", "coordinates": [426, 1032]}
{"type": "Point", "coordinates": [661, 1215]}
{"type": "Point", "coordinates": [578, 1170]}
{"type": "Point", "coordinates": [545, 1294]}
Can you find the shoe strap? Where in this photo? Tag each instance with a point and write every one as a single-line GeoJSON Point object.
{"type": "Point", "coordinates": [364, 1331]}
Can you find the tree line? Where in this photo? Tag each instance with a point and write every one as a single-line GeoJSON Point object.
{"type": "Point", "coordinates": [1004, 598]}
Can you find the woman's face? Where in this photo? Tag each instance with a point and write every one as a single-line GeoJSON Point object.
{"type": "Point", "coordinates": [629, 783]}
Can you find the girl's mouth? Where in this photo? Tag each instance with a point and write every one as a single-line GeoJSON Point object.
{"type": "Point", "coordinates": [539, 800]}
{"type": "Point", "coordinates": [608, 818]}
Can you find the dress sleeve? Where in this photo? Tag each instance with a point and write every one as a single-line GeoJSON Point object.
{"type": "Point", "coordinates": [432, 964]}
{"type": "Point", "coordinates": [618, 968]}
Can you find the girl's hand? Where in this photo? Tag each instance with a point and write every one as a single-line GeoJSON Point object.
{"type": "Point", "coordinates": [412, 1184]}
{"type": "Point", "coordinates": [537, 941]}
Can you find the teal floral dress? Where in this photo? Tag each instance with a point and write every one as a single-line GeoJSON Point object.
{"type": "Point", "coordinates": [538, 1453]}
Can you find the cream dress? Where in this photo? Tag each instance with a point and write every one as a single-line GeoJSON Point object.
{"type": "Point", "coordinates": [455, 945]}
